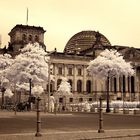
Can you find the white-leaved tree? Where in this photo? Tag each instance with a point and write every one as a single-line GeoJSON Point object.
{"type": "Point", "coordinates": [5, 62]}
{"type": "Point", "coordinates": [29, 64]}
{"type": "Point", "coordinates": [64, 89]}
{"type": "Point", "coordinates": [8, 93]}
{"type": "Point", "coordinates": [109, 63]}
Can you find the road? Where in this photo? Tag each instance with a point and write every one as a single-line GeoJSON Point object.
{"type": "Point", "coordinates": [26, 122]}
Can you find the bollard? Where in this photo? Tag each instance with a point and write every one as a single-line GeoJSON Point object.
{"type": "Point", "coordinates": [38, 127]}
{"type": "Point", "coordinates": [100, 130]}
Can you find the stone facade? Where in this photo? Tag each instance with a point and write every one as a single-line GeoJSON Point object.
{"type": "Point", "coordinates": [84, 86]}
{"type": "Point", "coordinates": [21, 35]}
{"type": "Point", "coordinates": [72, 63]}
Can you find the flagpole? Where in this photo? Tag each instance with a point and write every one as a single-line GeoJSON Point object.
{"type": "Point", "coordinates": [27, 17]}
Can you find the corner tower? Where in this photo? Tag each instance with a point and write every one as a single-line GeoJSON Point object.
{"type": "Point", "coordinates": [21, 35]}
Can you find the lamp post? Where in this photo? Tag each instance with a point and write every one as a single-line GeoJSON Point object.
{"type": "Point", "coordinates": [37, 92]}
{"type": "Point", "coordinates": [30, 92]}
{"type": "Point", "coordinates": [38, 126]}
{"type": "Point", "coordinates": [100, 130]}
{"type": "Point", "coordinates": [15, 99]}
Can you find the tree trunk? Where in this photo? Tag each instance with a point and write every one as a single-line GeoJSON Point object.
{"type": "Point", "coordinates": [107, 97]}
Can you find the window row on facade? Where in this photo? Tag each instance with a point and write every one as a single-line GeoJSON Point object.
{"type": "Point", "coordinates": [30, 38]}
{"type": "Point", "coordinates": [69, 70]}
{"type": "Point", "coordinates": [122, 84]}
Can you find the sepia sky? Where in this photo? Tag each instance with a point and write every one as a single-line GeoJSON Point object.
{"type": "Point", "coordinates": [118, 20]}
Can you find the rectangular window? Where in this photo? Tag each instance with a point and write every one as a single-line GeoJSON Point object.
{"type": "Point", "coordinates": [60, 100]}
{"type": "Point", "coordinates": [90, 99]}
{"type": "Point", "coordinates": [60, 70]}
{"type": "Point", "coordinates": [69, 71]}
{"type": "Point", "coordinates": [71, 100]}
{"type": "Point", "coordinates": [80, 99]}
{"type": "Point", "coordinates": [79, 71]}
{"type": "Point", "coordinates": [51, 69]}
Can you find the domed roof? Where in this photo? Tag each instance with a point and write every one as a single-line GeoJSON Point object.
{"type": "Point", "coordinates": [85, 40]}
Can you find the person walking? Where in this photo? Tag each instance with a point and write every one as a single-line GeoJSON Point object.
{"type": "Point", "coordinates": [52, 103]}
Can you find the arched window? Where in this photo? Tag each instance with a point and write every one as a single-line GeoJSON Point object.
{"type": "Point", "coordinates": [88, 86]}
{"type": "Point", "coordinates": [58, 82]}
{"type": "Point", "coordinates": [30, 37]}
{"type": "Point", "coordinates": [79, 86]}
{"type": "Point", "coordinates": [115, 85]}
{"type": "Point", "coordinates": [132, 84]}
{"type": "Point", "coordinates": [36, 38]}
{"type": "Point", "coordinates": [24, 37]}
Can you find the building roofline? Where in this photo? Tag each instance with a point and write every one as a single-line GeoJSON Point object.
{"type": "Point", "coordinates": [20, 26]}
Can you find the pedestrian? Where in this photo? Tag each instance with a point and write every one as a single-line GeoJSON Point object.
{"type": "Point", "coordinates": [52, 103]}
{"type": "Point", "coordinates": [86, 106]}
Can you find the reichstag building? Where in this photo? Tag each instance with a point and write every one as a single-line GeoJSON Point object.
{"type": "Point", "coordinates": [73, 61]}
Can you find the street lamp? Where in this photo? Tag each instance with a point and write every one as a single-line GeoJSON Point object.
{"type": "Point", "coordinates": [38, 127]}
{"type": "Point", "coordinates": [37, 91]}
{"type": "Point", "coordinates": [100, 130]}
{"type": "Point", "coordinates": [30, 92]}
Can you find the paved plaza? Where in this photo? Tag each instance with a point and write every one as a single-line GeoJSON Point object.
{"type": "Point", "coordinates": [68, 126]}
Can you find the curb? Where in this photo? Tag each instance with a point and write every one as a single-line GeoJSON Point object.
{"type": "Point", "coordinates": [76, 135]}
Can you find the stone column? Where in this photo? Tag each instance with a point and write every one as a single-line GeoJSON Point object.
{"type": "Point", "coordinates": [95, 89]}
{"type": "Point", "coordinates": [84, 79]}
{"type": "Point", "coordinates": [135, 86]}
{"type": "Point", "coordinates": [65, 70]}
{"type": "Point", "coordinates": [126, 84]}
{"type": "Point", "coordinates": [92, 85]}
{"type": "Point", "coordinates": [126, 87]}
{"type": "Point", "coordinates": [119, 87]}
{"type": "Point", "coordinates": [55, 75]}
{"type": "Point", "coordinates": [74, 79]}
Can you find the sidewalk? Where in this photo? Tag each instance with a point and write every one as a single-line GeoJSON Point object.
{"type": "Point", "coordinates": [117, 134]}
{"type": "Point", "coordinates": [78, 135]}
{"type": "Point", "coordinates": [6, 114]}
